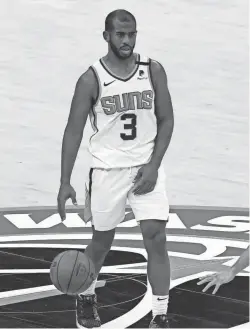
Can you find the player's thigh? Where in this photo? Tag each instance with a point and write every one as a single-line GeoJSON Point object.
{"type": "Point", "coordinates": [108, 193]}
{"type": "Point", "coordinates": [153, 205]}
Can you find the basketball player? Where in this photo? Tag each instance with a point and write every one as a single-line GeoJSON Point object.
{"type": "Point", "coordinates": [127, 99]}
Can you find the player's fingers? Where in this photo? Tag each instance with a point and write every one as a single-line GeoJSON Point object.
{"type": "Point", "coordinates": [138, 176]}
{"type": "Point", "coordinates": [206, 278]}
{"type": "Point", "coordinates": [142, 189]}
{"type": "Point", "coordinates": [152, 187]}
{"type": "Point", "coordinates": [137, 188]}
{"type": "Point", "coordinates": [145, 188]}
{"type": "Point", "coordinates": [216, 288]}
{"type": "Point", "coordinates": [137, 185]}
{"type": "Point", "coordinates": [73, 198]}
{"type": "Point", "coordinates": [61, 207]}
{"type": "Point", "coordinates": [210, 284]}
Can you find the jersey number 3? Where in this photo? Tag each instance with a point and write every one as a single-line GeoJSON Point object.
{"type": "Point", "coordinates": [129, 126]}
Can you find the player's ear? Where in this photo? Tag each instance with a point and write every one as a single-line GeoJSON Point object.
{"type": "Point", "coordinates": [106, 36]}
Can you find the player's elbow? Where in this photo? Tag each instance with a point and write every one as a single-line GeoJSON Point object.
{"type": "Point", "coordinates": [170, 124]}
{"type": "Point", "coordinates": [167, 125]}
{"type": "Point", "coordinates": [167, 122]}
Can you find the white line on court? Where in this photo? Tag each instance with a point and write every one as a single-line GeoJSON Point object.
{"type": "Point", "coordinates": [214, 247]}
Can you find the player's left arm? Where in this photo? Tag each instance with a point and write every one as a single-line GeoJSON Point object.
{"type": "Point", "coordinates": [222, 277]}
{"type": "Point", "coordinates": [163, 111]}
{"type": "Point", "coordinates": [146, 177]}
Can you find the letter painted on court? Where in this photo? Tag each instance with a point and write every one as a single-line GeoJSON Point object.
{"type": "Point", "coordinates": [24, 221]}
{"type": "Point", "coordinates": [226, 224]}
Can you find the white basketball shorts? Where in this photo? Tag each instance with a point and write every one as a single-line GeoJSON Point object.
{"type": "Point", "coordinates": [107, 193]}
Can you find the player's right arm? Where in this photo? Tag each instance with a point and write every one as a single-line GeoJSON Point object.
{"type": "Point", "coordinates": [83, 99]}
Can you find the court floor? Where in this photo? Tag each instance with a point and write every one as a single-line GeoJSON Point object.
{"type": "Point", "coordinates": [28, 299]}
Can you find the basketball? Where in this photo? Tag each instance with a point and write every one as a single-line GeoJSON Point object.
{"type": "Point", "coordinates": [72, 272]}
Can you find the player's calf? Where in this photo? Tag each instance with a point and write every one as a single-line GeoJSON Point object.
{"type": "Point", "coordinates": [86, 303]}
{"type": "Point", "coordinates": [158, 269]}
{"type": "Point", "coordinates": [99, 247]}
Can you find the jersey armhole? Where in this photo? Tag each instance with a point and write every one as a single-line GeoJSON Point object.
{"type": "Point", "coordinates": [150, 75]}
{"type": "Point", "coordinates": [95, 101]}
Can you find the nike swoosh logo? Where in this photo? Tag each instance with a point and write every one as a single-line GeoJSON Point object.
{"type": "Point", "coordinates": [161, 298]}
{"type": "Point", "coordinates": [106, 84]}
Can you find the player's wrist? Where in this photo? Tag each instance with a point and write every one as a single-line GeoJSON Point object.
{"type": "Point", "coordinates": [155, 164]}
{"type": "Point", "coordinates": [65, 181]}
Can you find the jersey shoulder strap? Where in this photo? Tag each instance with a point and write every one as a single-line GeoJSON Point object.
{"type": "Point", "coordinates": [143, 61]}
{"type": "Point", "coordinates": [145, 64]}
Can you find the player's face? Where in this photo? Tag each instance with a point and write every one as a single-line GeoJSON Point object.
{"type": "Point", "coordinates": [122, 39]}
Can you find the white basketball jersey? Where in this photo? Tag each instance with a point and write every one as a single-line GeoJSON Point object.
{"type": "Point", "coordinates": [123, 117]}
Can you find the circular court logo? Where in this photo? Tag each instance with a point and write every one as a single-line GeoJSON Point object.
{"type": "Point", "coordinates": [200, 241]}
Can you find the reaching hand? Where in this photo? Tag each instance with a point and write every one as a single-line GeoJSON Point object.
{"type": "Point", "coordinates": [217, 279]}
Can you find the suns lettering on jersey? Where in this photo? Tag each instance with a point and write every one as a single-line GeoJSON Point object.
{"type": "Point", "coordinates": [127, 101]}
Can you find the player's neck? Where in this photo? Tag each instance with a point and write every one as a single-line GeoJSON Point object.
{"type": "Point", "coordinates": [115, 62]}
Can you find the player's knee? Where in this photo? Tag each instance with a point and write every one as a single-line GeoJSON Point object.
{"type": "Point", "coordinates": [160, 238]}
{"type": "Point", "coordinates": [158, 243]}
{"type": "Point", "coordinates": [154, 237]}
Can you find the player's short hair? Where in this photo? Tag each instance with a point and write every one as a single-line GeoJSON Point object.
{"type": "Point", "coordinates": [121, 14]}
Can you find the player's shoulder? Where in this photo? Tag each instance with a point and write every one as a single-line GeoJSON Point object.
{"type": "Point", "coordinates": [156, 67]}
{"type": "Point", "coordinates": [87, 84]}
{"type": "Point", "coordinates": [157, 73]}
{"type": "Point", "coordinates": [87, 78]}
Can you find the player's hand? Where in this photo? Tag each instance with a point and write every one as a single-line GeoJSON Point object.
{"type": "Point", "coordinates": [145, 180]}
{"type": "Point", "coordinates": [217, 279]}
{"type": "Point", "coordinates": [66, 192]}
